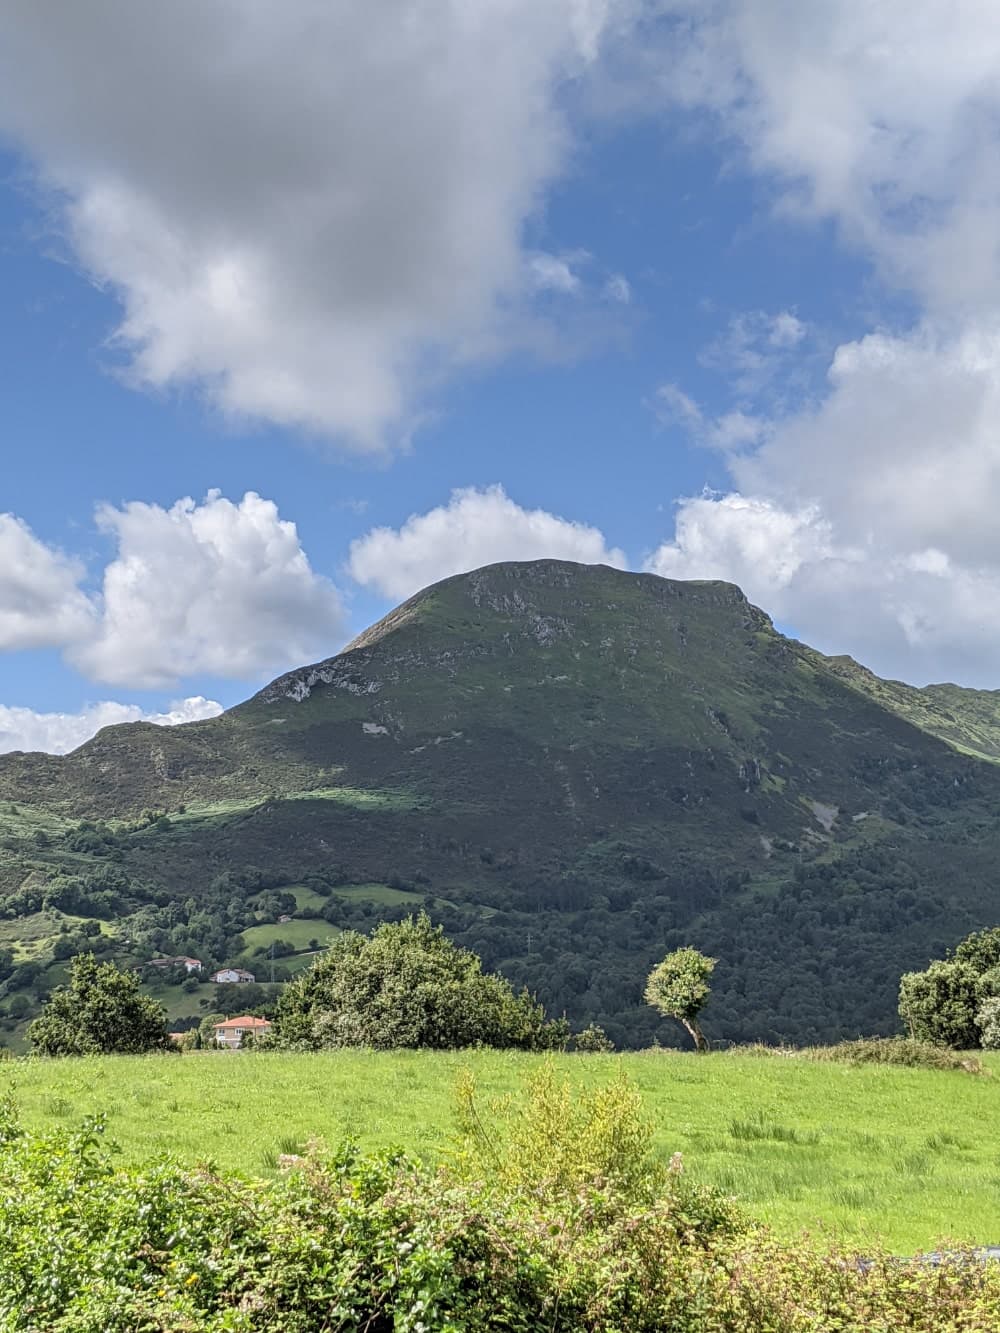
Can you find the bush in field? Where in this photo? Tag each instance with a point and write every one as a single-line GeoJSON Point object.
{"type": "Point", "coordinates": [895, 1051]}
{"type": "Point", "coordinates": [407, 985]}
{"type": "Point", "coordinates": [347, 1242]}
{"type": "Point", "coordinates": [102, 1011]}
{"type": "Point", "coordinates": [593, 1040]}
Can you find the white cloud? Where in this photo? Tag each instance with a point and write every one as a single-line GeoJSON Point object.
{"type": "Point", "coordinates": [868, 521]}
{"type": "Point", "coordinates": [58, 733]}
{"type": "Point", "coordinates": [41, 603]}
{"type": "Point", "coordinates": [728, 432]}
{"type": "Point", "coordinates": [750, 541]}
{"type": "Point", "coordinates": [549, 273]}
{"type": "Point", "coordinates": [882, 117]}
{"type": "Point", "coordinates": [476, 527]}
{"type": "Point", "coordinates": [215, 587]}
{"type": "Point", "coordinates": [864, 517]}
{"type": "Point", "coordinates": [309, 212]}
{"type": "Point", "coordinates": [617, 288]}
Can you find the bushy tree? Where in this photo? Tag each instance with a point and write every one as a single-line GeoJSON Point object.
{"type": "Point", "coordinates": [943, 1003]}
{"type": "Point", "coordinates": [102, 1010]}
{"type": "Point", "coordinates": [939, 1005]}
{"type": "Point", "coordinates": [678, 988]}
{"type": "Point", "coordinates": [407, 985]}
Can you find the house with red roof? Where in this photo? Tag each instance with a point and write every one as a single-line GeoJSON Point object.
{"type": "Point", "coordinates": [231, 1032]}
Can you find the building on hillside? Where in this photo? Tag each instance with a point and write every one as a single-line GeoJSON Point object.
{"type": "Point", "coordinates": [227, 976]}
{"type": "Point", "coordinates": [231, 1033]}
{"type": "Point", "coordinates": [189, 964]}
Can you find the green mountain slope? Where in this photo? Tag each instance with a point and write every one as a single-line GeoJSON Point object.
{"type": "Point", "coordinates": [575, 768]}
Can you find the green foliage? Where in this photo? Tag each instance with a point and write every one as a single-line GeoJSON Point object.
{"type": "Point", "coordinates": [101, 1011]}
{"type": "Point", "coordinates": [678, 988]}
{"type": "Point", "coordinates": [988, 1020]}
{"type": "Point", "coordinates": [981, 950]}
{"type": "Point", "coordinates": [941, 1005]}
{"type": "Point", "coordinates": [593, 1040]}
{"type": "Point", "coordinates": [903, 1154]}
{"type": "Point", "coordinates": [351, 1242]}
{"type": "Point", "coordinates": [408, 986]}
{"type": "Point", "coordinates": [906, 1051]}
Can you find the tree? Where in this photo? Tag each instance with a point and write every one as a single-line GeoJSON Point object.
{"type": "Point", "coordinates": [408, 985]}
{"type": "Point", "coordinates": [102, 1010]}
{"type": "Point", "coordinates": [939, 1005]}
{"type": "Point", "coordinates": [678, 988]}
{"type": "Point", "coordinates": [943, 1004]}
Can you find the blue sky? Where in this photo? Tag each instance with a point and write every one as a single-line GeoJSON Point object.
{"type": "Point", "coordinates": [708, 290]}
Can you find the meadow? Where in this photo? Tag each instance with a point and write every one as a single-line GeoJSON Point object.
{"type": "Point", "coordinates": [901, 1156]}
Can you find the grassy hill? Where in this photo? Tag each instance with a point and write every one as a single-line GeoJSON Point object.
{"type": "Point", "coordinates": [574, 769]}
{"type": "Point", "coordinates": [872, 1153]}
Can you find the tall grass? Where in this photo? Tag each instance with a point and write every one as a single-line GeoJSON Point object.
{"type": "Point", "coordinates": [868, 1151]}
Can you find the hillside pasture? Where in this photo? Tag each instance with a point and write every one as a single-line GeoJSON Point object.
{"type": "Point", "coordinates": [904, 1156]}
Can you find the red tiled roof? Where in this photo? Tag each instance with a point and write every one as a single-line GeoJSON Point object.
{"type": "Point", "coordinates": [245, 1022]}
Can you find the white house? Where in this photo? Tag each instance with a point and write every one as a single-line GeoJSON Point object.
{"type": "Point", "coordinates": [231, 1033]}
{"type": "Point", "coordinates": [228, 975]}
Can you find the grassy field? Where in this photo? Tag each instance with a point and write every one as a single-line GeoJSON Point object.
{"type": "Point", "coordinates": [906, 1156]}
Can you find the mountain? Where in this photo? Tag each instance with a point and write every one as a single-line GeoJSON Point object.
{"type": "Point", "coordinates": [575, 769]}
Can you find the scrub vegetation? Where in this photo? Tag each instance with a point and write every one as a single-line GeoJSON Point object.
{"type": "Point", "coordinates": [869, 1152]}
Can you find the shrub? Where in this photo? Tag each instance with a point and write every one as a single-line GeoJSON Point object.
{"type": "Point", "coordinates": [407, 985]}
{"type": "Point", "coordinates": [593, 1040]}
{"type": "Point", "coordinates": [896, 1051]}
{"type": "Point", "coordinates": [346, 1242]}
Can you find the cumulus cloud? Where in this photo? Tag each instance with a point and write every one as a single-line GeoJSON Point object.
{"type": "Point", "coordinates": [303, 209]}
{"type": "Point", "coordinates": [868, 520]}
{"type": "Point", "coordinates": [881, 117]}
{"type": "Point", "coordinates": [476, 527]}
{"type": "Point", "coordinates": [58, 733]}
{"type": "Point", "coordinates": [41, 603]}
{"type": "Point", "coordinates": [216, 587]}
{"type": "Point", "coordinates": [863, 516]}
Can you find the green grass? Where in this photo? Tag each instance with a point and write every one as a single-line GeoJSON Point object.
{"type": "Point", "coordinates": [377, 893]}
{"type": "Point", "coordinates": [907, 1156]}
{"type": "Point", "coordinates": [296, 932]}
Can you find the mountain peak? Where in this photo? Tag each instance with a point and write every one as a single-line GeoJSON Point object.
{"type": "Point", "coordinates": [535, 601]}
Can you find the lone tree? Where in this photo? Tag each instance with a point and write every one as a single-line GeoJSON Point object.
{"type": "Point", "coordinates": [101, 1011]}
{"type": "Point", "coordinates": [678, 988]}
{"type": "Point", "coordinates": [408, 985]}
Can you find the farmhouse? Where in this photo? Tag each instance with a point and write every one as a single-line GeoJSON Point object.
{"type": "Point", "coordinates": [228, 975]}
{"type": "Point", "coordinates": [233, 1030]}
{"type": "Point", "coordinates": [189, 964]}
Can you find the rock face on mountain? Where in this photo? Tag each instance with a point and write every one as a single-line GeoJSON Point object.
{"type": "Point", "coordinates": [577, 768]}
